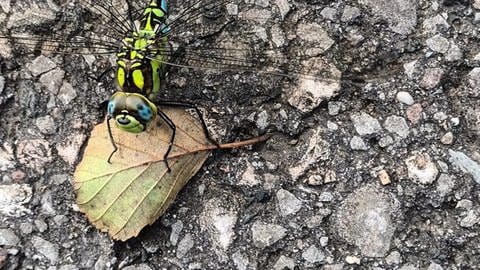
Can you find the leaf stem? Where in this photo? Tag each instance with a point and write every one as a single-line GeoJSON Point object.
{"type": "Point", "coordinates": [244, 143]}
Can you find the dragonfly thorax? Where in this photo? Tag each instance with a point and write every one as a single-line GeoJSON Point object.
{"type": "Point", "coordinates": [139, 69]}
{"type": "Point", "coordinates": [133, 73]}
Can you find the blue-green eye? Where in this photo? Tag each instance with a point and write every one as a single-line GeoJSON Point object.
{"type": "Point", "coordinates": [145, 112]}
{"type": "Point", "coordinates": [111, 108]}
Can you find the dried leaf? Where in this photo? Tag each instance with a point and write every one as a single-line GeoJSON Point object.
{"type": "Point", "coordinates": [123, 197]}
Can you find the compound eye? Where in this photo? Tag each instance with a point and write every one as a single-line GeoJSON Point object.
{"type": "Point", "coordinates": [111, 108]}
{"type": "Point", "coordinates": [116, 103]}
{"type": "Point", "coordinates": [140, 107]}
{"type": "Point", "coordinates": [144, 112]}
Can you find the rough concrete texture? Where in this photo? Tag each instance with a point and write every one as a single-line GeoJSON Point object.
{"type": "Point", "coordinates": [375, 164]}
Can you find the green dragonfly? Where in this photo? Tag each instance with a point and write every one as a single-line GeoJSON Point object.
{"type": "Point", "coordinates": [146, 40]}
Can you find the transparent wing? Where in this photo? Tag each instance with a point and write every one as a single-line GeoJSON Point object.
{"type": "Point", "coordinates": [78, 27]}
{"type": "Point", "coordinates": [204, 34]}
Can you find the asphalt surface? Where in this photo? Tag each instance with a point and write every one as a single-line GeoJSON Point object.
{"type": "Point", "coordinates": [375, 161]}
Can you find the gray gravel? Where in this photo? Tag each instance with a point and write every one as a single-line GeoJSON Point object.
{"type": "Point", "coordinates": [266, 234]}
{"type": "Point", "coordinates": [374, 165]}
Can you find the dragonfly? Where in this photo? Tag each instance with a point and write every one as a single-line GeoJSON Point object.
{"type": "Point", "coordinates": [146, 40]}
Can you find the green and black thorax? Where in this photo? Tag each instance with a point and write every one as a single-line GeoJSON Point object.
{"type": "Point", "coordinates": [140, 66]}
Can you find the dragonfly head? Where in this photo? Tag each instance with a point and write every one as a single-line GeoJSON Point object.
{"type": "Point", "coordinates": [131, 111]}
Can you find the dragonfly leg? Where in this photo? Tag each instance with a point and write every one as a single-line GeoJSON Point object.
{"type": "Point", "coordinates": [198, 112]}
{"type": "Point", "coordinates": [115, 148]}
{"type": "Point", "coordinates": [171, 125]}
{"type": "Point", "coordinates": [100, 77]}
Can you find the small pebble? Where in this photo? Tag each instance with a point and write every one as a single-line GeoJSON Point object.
{"type": "Point", "coordinates": [2, 84]}
{"type": "Point", "coordinates": [405, 98]}
{"type": "Point", "coordinates": [6, 157]}
{"type": "Point", "coordinates": [357, 143]}
{"type": "Point", "coordinates": [352, 260]}
{"type": "Point", "coordinates": [18, 175]}
{"type": "Point", "coordinates": [232, 9]}
{"type": "Point", "coordinates": [385, 141]}
{"type": "Point", "coordinates": [365, 124]}
{"type": "Point", "coordinates": [13, 197]}
{"type": "Point", "coordinates": [440, 116]}
{"type": "Point", "coordinates": [410, 68]}
{"type": "Point", "coordinates": [287, 203]}
{"type": "Point", "coordinates": [477, 56]}
{"type": "Point", "coordinates": [265, 234]}
{"type": "Point", "coordinates": [421, 168]}
{"type": "Point", "coordinates": [455, 121]}
{"type": "Point", "coordinates": [350, 13]}
{"type": "Point", "coordinates": [8, 237]}
{"type": "Point", "coordinates": [185, 245]}
{"type": "Point", "coordinates": [454, 53]}
{"type": "Point", "coordinates": [445, 184]}
{"type": "Point", "coordinates": [334, 108]}
{"type": "Point", "coordinates": [431, 78]}
{"type": "Point", "coordinates": [314, 180]}
{"type": "Point", "coordinates": [324, 241]}
{"type": "Point", "coordinates": [397, 125]}
{"type": "Point", "coordinates": [438, 43]}
{"type": "Point", "coordinates": [330, 176]}
{"type": "Point", "coordinates": [52, 80]}
{"type": "Point", "coordinates": [284, 7]}
{"type": "Point", "coordinates": [142, 266]}
{"type": "Point", "coordinates": [41, 225]}
{"type": "Point", "coordinates": [177, 228]}
{"type": "Point", "coordinates": [393, 258]}
{"type": "Point", "coordinates": [66, 93]}
{"type": "Point", "coordinates": [326, 197]}
{"type": "Point", "coordinates": [433, 24]}
{"type": "Point", "coordinates": [470, 219]}
{"type": "Point", "coordinates": [414, 113]}
{"type": "Point", "coordinates": [34, 154]}
{"type": "Point", "coordinates": [313, 255]}
{"type": "Point", "coordinates": [332, 126]}
{"type": "Point", "coordinates": [48, 249]}
{"type": "Point", "coordinates": [384, 177]}
{"type": "Point", "coordinates": [240, 260]}
{"type": "Point", "coordinates": [466, 164]}
{"type": "Point", "coordinates": [464, 204]}
{"type": "Point", "coordinates": [329, 13]}
{"type": "Point", "coordinates": [69, 149]}
{"type": "Point", "coordinates": [60, 220]}
{"type": "Point", "coordinates": [284, 263]}
{"type": "Point", "coordinates": [262, 120]}
{"type": "Point", "coordinates": [46, 124]}
{"type": "Point", "coordinates": [26, 228]}
{"type": "Point", "coordinates": [474, 79]}
{"type": "Point", "coordinates": [40, 65]}
{"type": "Point", "coordinates": [434, 266]}
{"type": "Point", "coordinates": [447, 139]}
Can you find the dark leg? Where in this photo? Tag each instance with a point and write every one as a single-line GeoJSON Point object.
{"type": "Point", "coordinates": [199, 114]}
{"type": "Point", "coordinates": [115, 148]}
{"type": "Point", "coordinates": [100, 77]}
{"type": "Point", "coordinates": [171, 125]}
